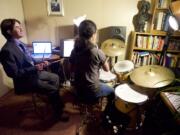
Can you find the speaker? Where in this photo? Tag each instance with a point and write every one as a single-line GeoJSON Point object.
{"type": "Point", "coordinates": [118, 32]}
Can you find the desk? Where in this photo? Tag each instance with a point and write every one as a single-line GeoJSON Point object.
{"type": "Point", "coordinates": [172, 101]}
{"type": "Point", "coordinates": [53, 57]}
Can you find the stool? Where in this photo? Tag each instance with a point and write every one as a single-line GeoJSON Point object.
{"type": "Point", "coordinates": [88, 112]}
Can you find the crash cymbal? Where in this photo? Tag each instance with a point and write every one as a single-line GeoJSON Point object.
{"type": "Point", "coordinates": [113, 47]}
{"type": "Point", "coordinates": [152, 76]}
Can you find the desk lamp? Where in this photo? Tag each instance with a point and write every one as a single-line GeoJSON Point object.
{"type": "Point", "coordinates": [77, 22]}
{"type": "Point", "coordinates": [172, 25]}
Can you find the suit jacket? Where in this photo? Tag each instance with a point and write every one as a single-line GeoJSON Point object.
{"type": "Point", "coordinates": [17, 66]}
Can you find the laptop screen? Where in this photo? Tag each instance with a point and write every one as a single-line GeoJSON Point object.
{"type": "Point", "coordinates": [42, 47]}
{"type": "Point", "coordinates": [66, 47]}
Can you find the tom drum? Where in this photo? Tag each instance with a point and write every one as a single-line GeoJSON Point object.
{"type": "Point", "coordinates": [107, 77]}
{"type": "Point", "coordinates": [122, 68]}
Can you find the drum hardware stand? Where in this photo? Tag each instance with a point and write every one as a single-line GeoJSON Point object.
{"type": "Point", "coordinates": [117, 129]}
{"type": "Point", "coordinates": [111, 61]}
{"type": "Point", "coordinates": [138, 116]}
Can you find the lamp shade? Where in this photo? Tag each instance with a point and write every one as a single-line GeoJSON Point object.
{"type": "Point", "coordinates": [175, 8]}
{"type": "Point", "coordinates": [78, 20]}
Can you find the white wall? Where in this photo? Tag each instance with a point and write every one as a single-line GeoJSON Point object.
{"type": "Point", "coordinates": [104, 13]}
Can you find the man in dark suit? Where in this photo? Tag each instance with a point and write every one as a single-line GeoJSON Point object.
{"type": "Point", "coordinates": [28, 74]}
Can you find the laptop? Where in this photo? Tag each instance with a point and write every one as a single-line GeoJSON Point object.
{"type": "Point", "coordinates": [42, 49]}
{"type": "Point", "coordinates": [66, 47]}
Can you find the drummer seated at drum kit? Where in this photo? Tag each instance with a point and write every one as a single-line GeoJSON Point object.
{"type": "Point", "coordinates": [85, 61]}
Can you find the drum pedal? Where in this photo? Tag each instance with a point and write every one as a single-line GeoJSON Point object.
{"type": "Point", "coordinates": [116, 128]}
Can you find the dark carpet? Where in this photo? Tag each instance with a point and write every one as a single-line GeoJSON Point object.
{"type": "Point", "coordinates": [17, 117]}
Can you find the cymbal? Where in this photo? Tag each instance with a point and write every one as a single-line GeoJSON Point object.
{"type": "Point", "coordinates": [152, 76]}
{"type": "Point", "coordinates": [113, 47]}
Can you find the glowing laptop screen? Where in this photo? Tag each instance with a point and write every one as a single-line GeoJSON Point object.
{"type": "Point", "coordinates": [42, 47]}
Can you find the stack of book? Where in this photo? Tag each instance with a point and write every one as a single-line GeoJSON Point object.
{"type": "Point", "coordinates": [145, 58]}
{"type": "Point", "coordinates": [150, 42]}
{"type": "Point", "coordinates": [163, 3]}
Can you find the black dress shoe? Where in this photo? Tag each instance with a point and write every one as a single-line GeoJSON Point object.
{"type": "Point", "coordinates": [64, 117]}
{"type": "Point", "coordinates": [61, 117]}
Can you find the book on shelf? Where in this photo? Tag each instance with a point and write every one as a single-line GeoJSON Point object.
{"type": "Point", "coordinates": [144, 58]}
{"type": "Point", "coordinates": [163, 3]}
{"type": "Point", "coordinates": [159, 20]}
{"type": "Point", "coordinates": [165, 22]}
{"type": "Point", "coordinates": [139, 41]}
{"type": "Point", "coordinates": [155, 43]}
{"type": "Point", "coordinates": [174, 44]}
{"type": "Point", "coordinates": [141, 58]}
{"type": "Point", "coordinates": [171, 60]}
{"type": "Point", "coordinates": [160, 43]}
{"type": "Point", "coordinates": [150, 42]}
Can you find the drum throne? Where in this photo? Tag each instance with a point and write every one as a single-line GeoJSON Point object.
{"type": "Point", "coordinates": [89, 111]}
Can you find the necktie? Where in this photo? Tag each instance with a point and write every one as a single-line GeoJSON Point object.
{"type": "Point", "coordinates": [26, 53]}
{"type": "Point", "coordinates": [22, 48]}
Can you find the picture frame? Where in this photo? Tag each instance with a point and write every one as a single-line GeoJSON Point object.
{"type": "Point", "coordinates": [55, 7]}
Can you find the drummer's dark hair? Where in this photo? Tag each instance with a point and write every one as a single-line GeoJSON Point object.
{"type": "Point", "coordinates": [86, 29]}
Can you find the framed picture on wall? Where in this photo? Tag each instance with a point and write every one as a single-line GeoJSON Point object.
{"type": "Point", "coordinates": [55, 7]}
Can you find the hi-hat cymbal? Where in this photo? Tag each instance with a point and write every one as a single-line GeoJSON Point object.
{"type": "Point", "coordinates": [152, 76]}
{"type": "Point", "coordinates": [113, 47]}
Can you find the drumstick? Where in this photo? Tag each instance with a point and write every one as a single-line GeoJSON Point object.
{"type": "Point", "coordinates": [54, 62]}
{"type": "Point", "coordinates": [107, 58]}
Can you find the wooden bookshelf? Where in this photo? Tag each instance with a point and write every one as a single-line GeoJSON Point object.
{"type": "Point", "coordinates": [148, 45]}
{"type": "Point", "coordinates": [154, 48]}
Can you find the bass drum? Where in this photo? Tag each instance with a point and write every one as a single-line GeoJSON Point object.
{"type": "Point", "coordinates": [128, 101]}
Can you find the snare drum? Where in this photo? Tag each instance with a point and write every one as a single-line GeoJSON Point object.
{"type": "Point", "coordinates": [107, 77]}
{"type": "Point", "coordinates": [122, 68]}
{"type": "Point", "coordinates": [128, 102]}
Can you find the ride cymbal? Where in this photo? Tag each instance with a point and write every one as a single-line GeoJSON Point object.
{"type": "Point", "coordinates": [113, 47]}
{"type": "Point", "coordinates": [152, 76]}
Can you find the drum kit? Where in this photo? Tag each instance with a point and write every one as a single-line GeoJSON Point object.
{"type": "Point", "coordinates": [149, 76]}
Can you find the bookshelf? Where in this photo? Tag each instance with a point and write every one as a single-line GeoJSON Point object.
{"type": "Point", "coordinates": [144, 48]}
